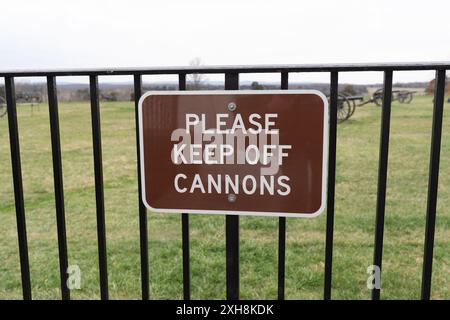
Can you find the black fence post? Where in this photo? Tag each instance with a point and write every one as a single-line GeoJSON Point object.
{"type": "Point", "coordinates": [382, 176]}
{"type": "Point", "coordinates": [58, 185]}
{"type": "Point", "coordinates": [18, 186]}
{"type": "Point", "coordinates": [282, 224]}
{"type": "Point", "coordinates": [143, 229]}
{"type": "Point", "coordinates": [433, 179]}
{"type": "Point", "coordinates": [99, 196]}
{"type": "Point", "coordinates": [331, 185]}
{"type": "Point", "coordinates": [232, 224]}
{"type": "Point", "coordinates": [185, 225]}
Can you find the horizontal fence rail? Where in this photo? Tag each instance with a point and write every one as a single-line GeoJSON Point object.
{"type": "Point", "coordinates": [411, 66]}
{"type": "Point", "coordinates": [232, 222]}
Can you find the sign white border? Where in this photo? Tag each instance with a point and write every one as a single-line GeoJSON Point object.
{"type": "Point", "coordinates": [240, 92]}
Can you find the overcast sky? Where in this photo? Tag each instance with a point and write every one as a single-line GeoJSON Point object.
{"type": "Point", "coordinates": [86, 33]}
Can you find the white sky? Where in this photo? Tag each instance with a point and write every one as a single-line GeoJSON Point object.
{"type": "Point", "coordinates": [86, 33]}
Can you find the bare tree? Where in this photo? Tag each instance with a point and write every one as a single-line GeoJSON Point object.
{"type": "Point", "coordinates": [196, 79]}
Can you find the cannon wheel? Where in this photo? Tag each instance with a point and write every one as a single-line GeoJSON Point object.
{"type": "Point", "coordinates": [405, 97]}
{"type": "Point", "coordinates": [378, 97]}
{"type": "Point", "coordinates": [2, 107]}
{"type": "Point", "coordinates": [352, 104]}
{"type": "Point", "coordinates": [344, 110]}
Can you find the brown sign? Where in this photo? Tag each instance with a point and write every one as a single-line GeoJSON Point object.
{"type": "Point", "coordinates": [234, 152]}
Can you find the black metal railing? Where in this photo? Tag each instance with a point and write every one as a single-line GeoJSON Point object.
{"type": "Point", "coordinates": [232, 222]}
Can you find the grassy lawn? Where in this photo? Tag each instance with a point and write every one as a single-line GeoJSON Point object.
{"type": "Point", "coordinates": [357, 159]}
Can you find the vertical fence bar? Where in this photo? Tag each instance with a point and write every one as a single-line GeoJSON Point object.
{"type": "Point", "coordinates": [282, 225]}
{"type": "Point", "coordinates": [143, 229]}
{"type": "Point", "coordinates": [58, 185]}
{"type": "Point", "coordinates": [18, 186]}
{"type": "Point", "coordinates": [382, 175]}
{"type": "Point", "coordinates": [185, 245]}
{"type": "Point", "coordinates": [331, 185]}
{"type": "Point", "coordinates": [281, 256]}
{"type": "Point", "coordinates": [232, 224]}
{"type": "Point", "coordinates": [185, 225]}
{"type": "Point", "coordinates": [433, 183]}
{"type": "Point", "coordinates": [99, 197]}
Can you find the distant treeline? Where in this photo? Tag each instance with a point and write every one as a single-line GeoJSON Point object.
{"type": "Point", "coordinates": [124, 91]}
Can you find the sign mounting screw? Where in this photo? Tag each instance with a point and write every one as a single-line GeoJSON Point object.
{"type": "Point", "coordinates": [232, 106]}
{"type": "Point", "coordinates": [232, 198]}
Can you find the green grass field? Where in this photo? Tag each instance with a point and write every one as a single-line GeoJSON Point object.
{"type": "Point", "coordinates": [357, 160]}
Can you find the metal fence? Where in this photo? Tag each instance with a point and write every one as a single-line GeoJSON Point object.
{"type": "Point", "coordinates": [232, 222]}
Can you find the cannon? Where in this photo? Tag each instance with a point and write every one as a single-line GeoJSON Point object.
{"type": "Point", "coordinates": [346, 105]}
{"type": "Point", "coordinates": [29, 97]}
{"type": "Point", "coordinates": [402, 96]}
